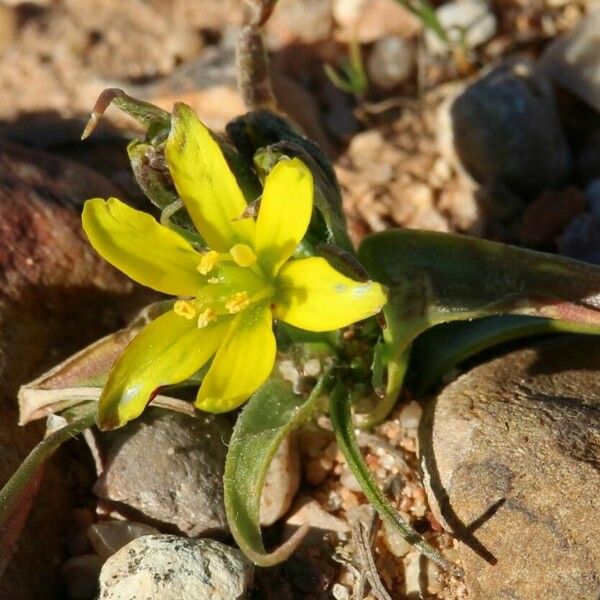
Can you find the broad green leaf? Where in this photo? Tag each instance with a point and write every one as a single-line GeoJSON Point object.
{"type": "Point", "coordinates": [271, 414]}
{"type": "Point", "coordinates": [437, 278]}
{"type": "Point", "coordinates": [442, 347]}
{"type": "Point", "coordinates": [19, 491]}
{"type": "Point", "coordinates": [343, 427]}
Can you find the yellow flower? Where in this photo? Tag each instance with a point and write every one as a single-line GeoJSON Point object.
{"type": "Point", "coordinates": [230, 294]}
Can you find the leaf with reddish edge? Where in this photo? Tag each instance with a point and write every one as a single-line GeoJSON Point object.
{"type": "Point", "coordinates": [80, 377]}
{"type": "Point", "coordinates": [19, 491]}
{"type": "Point", "coordinates": [438, 278]}
{"type": "Point", "coordinates": [440, 348]}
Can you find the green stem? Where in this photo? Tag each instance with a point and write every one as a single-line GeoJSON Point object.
{"type": "Point", "coordinates": [15, 486]}
{"type": "Point", "coordinates": [341, 420]}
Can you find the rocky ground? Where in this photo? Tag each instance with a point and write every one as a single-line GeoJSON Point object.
{"type": "Point", "coordinates": [498, 139]}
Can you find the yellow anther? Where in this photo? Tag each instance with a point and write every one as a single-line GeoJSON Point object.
{"type": "Point", "coordinates": [185, 309]}
{"type": "Point", "coordinates": [243, 255]}
{"type": "Point", "coordinates": [237, 302]}
{"type": "Point", "coordinates": [213, 280]}
{"type": "Point", "coordinates": [208, 261]}
{"type": "Point", "coordinates": [205, 317]}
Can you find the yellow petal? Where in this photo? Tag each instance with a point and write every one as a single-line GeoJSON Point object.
{"type": "Point", "coordinates": [136, 244]}
{"type": "Point", "coordinates": [314, 296]}
{"type": "Point", "coordinates": [167, 351]}
{"type": "Point", "coordinates": [284, 215]}
{"type": "Point", "coordinates": [205, 183]}
{"type": "Point", "coordinates": [243, 362]}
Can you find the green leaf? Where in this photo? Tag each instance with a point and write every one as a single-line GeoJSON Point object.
{"type": "Point", "coordinates": [343, 427]}
{"type": "Point", "coordinates": [17, 494]}
{"type": "Point", "coordinates": [442, 347]}
{"type": "Point", "coordinates": [425, 11]}
{"type": "Point", "coordinates": [271, 414]}
{"type": "Point", "coordinates": [263, 138]}
{"type": "Point", "coordinates": [437, 278]}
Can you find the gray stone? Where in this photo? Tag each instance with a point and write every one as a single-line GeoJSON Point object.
{"type": "Point", "coordinates": [506, 131]}
{"type": "Point", "coordinates": [169, 467]}
{"type": "Point", "coordinates": [391, 61]}
{"type": "Point", "coordinates": [167, 567]}
{"type": "Point", "coordinates": [511, 454]}
{"type": "Point", "coordinates": [469, 21]}
{"type": "Point", "coordinates": [573, 60]}
{"type": "Point", "coordinates": [588, 159]}
{"type": "Point", "coordinates": [592, 194]}
{"type": "Point", "coordinates": [581, 239]}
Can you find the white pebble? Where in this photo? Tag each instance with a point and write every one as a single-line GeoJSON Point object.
{"type": "Point", "coordinates": [348, 480]}
{"type": "Point", "coordinates": [411, 415]}
{"type": "Point", "coordinates": [340, 592]}
{"type": "Point", "coordinates": [395, 543]}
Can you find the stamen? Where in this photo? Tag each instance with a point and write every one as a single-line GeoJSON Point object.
{"type": "Point", "coordinates": [185, 309]}
{"type": "Point", "coordinates": [208, 261]}
{"type": "Point", "coordinates": [243, 255]}
{"type": "Point", "coordinates": [205, 317]}
{"type": "Point", "coordinates": [213, 280]}
{"type": "Point", "coordinates": [237, 302]}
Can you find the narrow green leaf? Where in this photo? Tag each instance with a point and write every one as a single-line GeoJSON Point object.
{"type": "Point", "coordinates": [156, 120]}
{"type": "Point", "coordinates": [442, 347]}
{"type": "Point", "coordinates": [437, 278]}
{"type": "Point", "coordinates": [341, 420]}
{"type": "Point", "coordinates": [272, 413]}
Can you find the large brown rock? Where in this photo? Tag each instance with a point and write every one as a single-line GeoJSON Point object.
{"type": "Point", "coordinates": [56, 296]}
{"type": "Point", "coordinates": [511, 452]}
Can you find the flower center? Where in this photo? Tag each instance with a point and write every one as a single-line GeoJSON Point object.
{"type": "Point", "coordinates": [236, 281]}
{"type": "Point", "coordinates": [237, 302]}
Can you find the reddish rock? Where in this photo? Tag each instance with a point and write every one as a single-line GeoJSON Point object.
{"type": "Point", "coordinates": [56, 296]}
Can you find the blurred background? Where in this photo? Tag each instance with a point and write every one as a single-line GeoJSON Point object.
{"type": "Point", "coordinates": [387, 116]}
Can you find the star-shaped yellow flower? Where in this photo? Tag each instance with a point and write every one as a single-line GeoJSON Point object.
{"type": "Point", "coordinates": [230, 294]}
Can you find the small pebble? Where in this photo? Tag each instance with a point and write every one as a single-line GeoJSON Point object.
{"type": "Point", "coordinates": [410, 416]}
{"type": "Point", "coordinates": [312, 367]}
{"type": "Point", "coordinates": [472, 19]}
{"type": "Point", "coordinates": [340, 592]}
{"type": "Point", "coordinates": [433, 578]}
{"type": "Point", "coordinates": [348, 480]}
{"type": "Point", "coordinates": [317, 469]}
{"type": "Point", "coordinates": [391, 61]}
{"type": "Point", "coordinates": [412, 576]}
{"type": "Point", "coordinates": [394, 542]}
{"type": "Point", "coordinates": [108, 537]}
{"type": "Point", "coordinates": [365, 148]}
